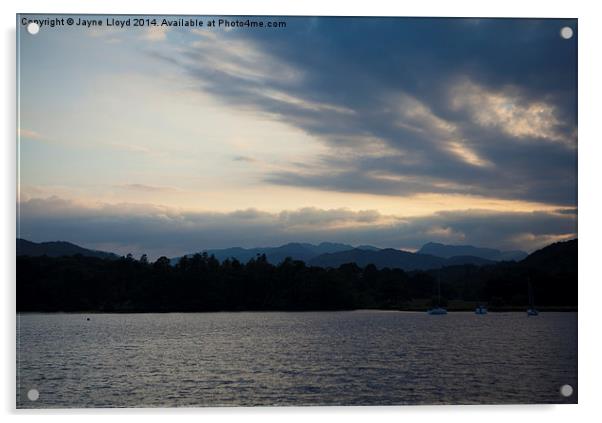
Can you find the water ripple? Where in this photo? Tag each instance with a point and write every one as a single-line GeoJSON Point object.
{"type": "Point", "coordinates": [321, 358]}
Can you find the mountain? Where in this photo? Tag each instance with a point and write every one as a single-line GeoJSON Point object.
{"type": "Point", "coordinates": [558, 256]}
{"type": "Point", "coordinates": [460, 260]}
{"type": "Point", "coordinates": [58, 249]}
{"type": "Point", "coordinates": [553, 273]}
{"type": "Point", "coordinates": [367, 247]}
{"type": "Point", "coordinates": [448, 251]}
{"type": "Point", "coordinates": [329, 254]}
{"type": "Point", "coordinates": [393, 259]}
{"type": "Point", "coordinates": [275, 255]}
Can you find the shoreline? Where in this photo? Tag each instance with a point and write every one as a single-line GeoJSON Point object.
{"type": "Point", "coordinates": [409, 310]}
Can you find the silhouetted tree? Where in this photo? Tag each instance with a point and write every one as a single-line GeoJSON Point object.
{"type": "Point", "coordinates": [203, 283]}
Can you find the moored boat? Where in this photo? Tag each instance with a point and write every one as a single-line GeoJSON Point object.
{"type": "Point", "coordinates": [480, 310]}
{"type": "Point", "coordinates": [438, 310]}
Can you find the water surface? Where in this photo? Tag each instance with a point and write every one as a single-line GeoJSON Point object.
{"type": "Point", "coordinates": [311, 358]}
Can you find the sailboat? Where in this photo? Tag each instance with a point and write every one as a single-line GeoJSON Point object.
{"type": "Point", "coordinates": [480, 309]}
{"type": "Point", "coordinates": [531, 311]}
{"type": "Point", "coordinates": [438, 310]}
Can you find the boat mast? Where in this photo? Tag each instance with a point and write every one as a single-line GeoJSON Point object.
{"type": "Point", "coordinates": [438, 290]}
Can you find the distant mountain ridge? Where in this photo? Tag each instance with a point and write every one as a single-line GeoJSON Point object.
{"type": "Point", "coordinates": [326, 254]}
{"type": "Point", "coordinates": [392, 258]}
{"type": "Point", "coordinates": [448, 251]}
{"type": "Point", "coordinates": [329, 254]}
{"type": "Point", "coordinates": [58, 249]}
{"type": "Point", "coordinates": [275, 255]}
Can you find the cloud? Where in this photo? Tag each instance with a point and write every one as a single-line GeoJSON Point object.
{"type": "Point", "coordinates": [308, 218]}
{"type": "Point", "coordinates": [146, 188]}
{"type": "Point", "coordinates": [158, 230]}
{"type": "Point", "coordinates": [233, 58]}
{"type": "Point", "coordinates": [130, 148]}
{"type": "Point", "coordinates": [506, 110]}
{"type": "Point", "coordinates": [486, 109]}
{"type": "Point", "coordinates": [155, 33]}
{"type": "Point", "coordinates": [314, 106]}
{"type": "Point", "coordinates": [246, 159]}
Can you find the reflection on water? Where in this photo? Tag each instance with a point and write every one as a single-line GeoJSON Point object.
{"type": "Point", "coordinates": [314, 358]}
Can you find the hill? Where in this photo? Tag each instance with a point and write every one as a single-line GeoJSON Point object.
{"type": "Point", "coordinates": [275, 255]}
{"type": "Point", "coordinates": [329, 254]}
{"type": "Point", "coordinates": [58, 249]}
{"type": "Point", "coordinates": [553, 258]}
{"type": "Point", "coordinates": [448, 251]}
{"type": "Point", "coordinates": [393, 259]}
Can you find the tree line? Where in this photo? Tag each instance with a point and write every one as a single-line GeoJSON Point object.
{"type": "Point", "coordinates": [203, 283]}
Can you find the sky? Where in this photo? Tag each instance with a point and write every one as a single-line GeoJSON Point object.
{"type": "Point", "coordinates": [392, 132]}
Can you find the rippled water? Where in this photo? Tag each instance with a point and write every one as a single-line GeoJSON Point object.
{"type": "Point", "coordinates": [314, 358]}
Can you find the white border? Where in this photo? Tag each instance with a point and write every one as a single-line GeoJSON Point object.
{"type": "Point", "coordinates": [590, 298]}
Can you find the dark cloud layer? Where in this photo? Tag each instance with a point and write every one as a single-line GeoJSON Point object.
{"type": "Point", "coordinates": [157, 231]}
{"type": "Point", "coordinates": [480, 106]}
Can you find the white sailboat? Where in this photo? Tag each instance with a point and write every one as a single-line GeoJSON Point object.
{"type": "Point", "coordinates": [531, 311]}
{"type": "Point", "coordinates": [438, 310]}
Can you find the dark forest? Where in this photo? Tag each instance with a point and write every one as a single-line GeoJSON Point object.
{"type": "Point", "coordinates": [203, 283]}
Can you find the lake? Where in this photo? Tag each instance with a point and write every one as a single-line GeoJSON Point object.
{"type": "Point", "coordinates": [290, 358]}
